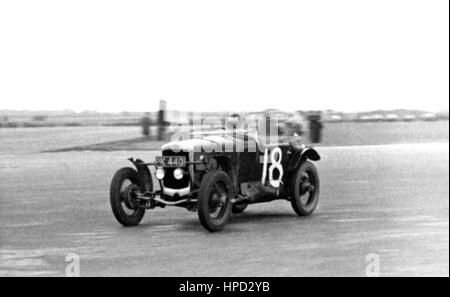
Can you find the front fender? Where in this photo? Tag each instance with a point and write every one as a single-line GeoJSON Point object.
{"type": "Point", "coordinates": [144, 173]}
{"type": "Point", "coordinates": [307, 153]}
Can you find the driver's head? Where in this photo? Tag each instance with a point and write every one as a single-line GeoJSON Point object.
{"type": "Point", "coordinates": [234, 121]}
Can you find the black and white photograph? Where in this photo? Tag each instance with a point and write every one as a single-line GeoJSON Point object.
{"type": "Point", "coordinates": [241, 141]}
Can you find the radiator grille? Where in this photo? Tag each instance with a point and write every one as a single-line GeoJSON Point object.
{"type": "Point", "coordinates": [169, 180]}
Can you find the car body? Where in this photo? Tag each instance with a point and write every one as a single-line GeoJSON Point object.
{"type": "Point", "coordinates": [217, 173]}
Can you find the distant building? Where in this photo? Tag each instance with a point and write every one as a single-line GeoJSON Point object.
{"type": "Point", "coordinates": [409, 118]}
{"type": "Point", "coordinates": [392, 117]}
{"type": "Point", "coordinates": [334, 118]}
{"type": "Point", "coordinates": [428, 117]}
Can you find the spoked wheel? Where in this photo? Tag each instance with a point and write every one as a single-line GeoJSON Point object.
{"type": "Point", "coordinates": [214, 200]}
{"type": "Point", "coordinates": [304, 189]}
{"type": "Point", "coordinates": [123, 192]}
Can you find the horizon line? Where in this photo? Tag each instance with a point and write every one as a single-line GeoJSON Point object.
{"type": "Point", "coordinates": [68, 110]}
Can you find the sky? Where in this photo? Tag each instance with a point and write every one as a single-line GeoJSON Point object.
{"type": "Point", "coordinates": [224, 55]}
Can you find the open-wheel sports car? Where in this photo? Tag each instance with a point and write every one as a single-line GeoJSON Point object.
{"type": "Point", "coordinates": [217, 173]}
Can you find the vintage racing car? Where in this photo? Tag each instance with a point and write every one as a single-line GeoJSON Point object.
{"type": "Point", "coordinates": [217, 173]}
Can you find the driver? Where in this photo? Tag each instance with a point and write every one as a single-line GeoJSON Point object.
{"type": "Point", "coordinates": [234, 122]}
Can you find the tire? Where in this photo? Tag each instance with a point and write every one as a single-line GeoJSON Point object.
{"type": "Point", "coordinates": [214, 200]}
{"type": "Point", "coordinates": [123, 207]}
{"type": "Point", "coordinates": [239, 208]}
{"type": "Point", "coordinates": [300, 188]}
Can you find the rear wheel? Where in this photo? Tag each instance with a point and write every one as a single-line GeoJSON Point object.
{"type": "Point", "coordinates": [304, 189]}
{"type": "Point", "coordinates": [214, 200]}
{"type": "Point", "coordinates": [124, 188]}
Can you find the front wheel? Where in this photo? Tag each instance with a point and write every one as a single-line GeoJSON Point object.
{"type": "Point", "coordinates": [304, 189]}
{"type": "Point", "coordinates": [214, 200]}
{"type": "Point", "coordinates": [124, 188]}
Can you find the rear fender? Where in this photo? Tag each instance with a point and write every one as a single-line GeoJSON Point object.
{"type": "Point", "coordinates": [144, 173]}
{"type": "Point", "coordinates": [300, 155]}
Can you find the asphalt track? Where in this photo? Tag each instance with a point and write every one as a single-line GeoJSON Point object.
{"type": "Point", "coordinates": [388, 200]}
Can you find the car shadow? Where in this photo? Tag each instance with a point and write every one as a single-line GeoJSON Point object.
{"type": "Point", "coordinates": [248, 217]}
{"type": "Point", "coordinates": [254, 216]}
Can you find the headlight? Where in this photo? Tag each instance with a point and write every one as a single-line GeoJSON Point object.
{"type": "Point", "coordinates": [159, 173]}
{"type": "Point", "coordinates": [178, 173]}
{"type": "Point", "coordinates": [204, 159]}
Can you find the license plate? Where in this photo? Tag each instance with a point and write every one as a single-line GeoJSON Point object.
{"type": "Point", "coordinates": [169, 161]}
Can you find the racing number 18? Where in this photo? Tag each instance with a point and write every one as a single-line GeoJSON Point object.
{"type": "Point", "coordinates": [275, 159]}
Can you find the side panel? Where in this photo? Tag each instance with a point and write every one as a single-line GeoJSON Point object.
{"type": "Point", "coordinates": [258, 168]}
{"type": "Point", "coordinates": [248, 164]}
